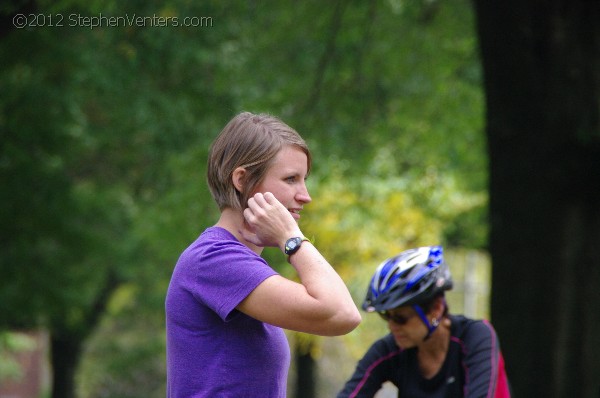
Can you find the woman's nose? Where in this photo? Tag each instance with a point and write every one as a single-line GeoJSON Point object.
{"type": "Point", "coordinates": [303, 196]}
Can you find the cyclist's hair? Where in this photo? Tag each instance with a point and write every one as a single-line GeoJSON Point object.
{"type": "Point", "coordinates": [427, 306]}
{"type": "Point", "coordinates": [250, 141]}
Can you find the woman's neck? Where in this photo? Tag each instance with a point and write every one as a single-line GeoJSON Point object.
{"type": "Point", "coordinates": [432, 352]}
{"type": "Point", "coordinates": [234, 222]}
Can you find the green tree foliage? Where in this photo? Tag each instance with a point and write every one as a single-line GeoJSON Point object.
{"type": "Point", "coordinates": [105, 133]}
{"type": "Point", "coordinates": [86, 129]}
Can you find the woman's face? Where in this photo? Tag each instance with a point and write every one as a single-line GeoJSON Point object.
{"type": "Point", "coordinates": [286, 179]}
{"type": "Point", "coordinates": [408, 329]}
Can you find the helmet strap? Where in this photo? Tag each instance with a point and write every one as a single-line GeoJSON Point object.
{"type": "Point", "coordinates": [431, 326]}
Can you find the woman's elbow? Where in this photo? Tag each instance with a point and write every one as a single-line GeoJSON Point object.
{"type": "Point", "coordinates": [346, 323]}
{"type": "Point", "coordinates": [353, 321]}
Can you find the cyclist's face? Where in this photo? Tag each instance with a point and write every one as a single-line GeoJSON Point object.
{"type": "Point", "coordinates": [286, 180]}
{"type": "Point", "coordinates": [406, 327]}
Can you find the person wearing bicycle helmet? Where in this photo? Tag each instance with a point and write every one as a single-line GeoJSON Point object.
{"type": "Point", "coordinates": [428, 352]}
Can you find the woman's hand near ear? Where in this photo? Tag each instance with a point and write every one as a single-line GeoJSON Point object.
{"type": "Point", "coordinates": [268, 222]}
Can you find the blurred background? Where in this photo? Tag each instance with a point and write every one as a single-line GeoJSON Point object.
{"type": "Point", "coordinates": [107, 109]}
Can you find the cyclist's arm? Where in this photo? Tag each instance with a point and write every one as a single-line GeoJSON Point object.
{"type": "Point", "coordinates": [380, 364]}
{"type": "Point", "coordinates": [486, 376]}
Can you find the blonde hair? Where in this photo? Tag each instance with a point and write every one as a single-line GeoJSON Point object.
{"type": "Point", "coordinates": [250, 141]}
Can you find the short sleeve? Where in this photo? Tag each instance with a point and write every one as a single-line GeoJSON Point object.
{"type": "Point", "coordinates": [223, 272]}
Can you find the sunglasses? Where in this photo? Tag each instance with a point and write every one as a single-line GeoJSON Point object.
{"type": "Point", "coordinates": [397, 319]}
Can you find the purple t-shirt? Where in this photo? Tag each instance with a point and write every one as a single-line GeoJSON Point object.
{"type": "Point", "coordinates": [213, 350]}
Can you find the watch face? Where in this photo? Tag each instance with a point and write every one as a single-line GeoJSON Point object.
{"type": "Point", "coordinates": [292, 245]}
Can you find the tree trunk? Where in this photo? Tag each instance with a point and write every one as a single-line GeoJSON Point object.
{"type": "Point", "coordinates": [65, 355]}
{"type": "Point", "coordinates": [305, 370]}
{"type": "Point", "coordinates": [541, 62]}
{"type": "Point", "coordinates": [66, 341]}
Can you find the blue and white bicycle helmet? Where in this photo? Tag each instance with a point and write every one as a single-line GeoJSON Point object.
{"type": "Point", "coordinates": [413, 277]}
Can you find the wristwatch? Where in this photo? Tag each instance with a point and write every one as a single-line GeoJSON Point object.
{"type": "Point", "coordinates": [293, 244]}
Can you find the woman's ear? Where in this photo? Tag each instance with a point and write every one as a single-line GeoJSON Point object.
{"type": "Point", "coordinates": [238, 177]}
{"type": "Point", "coordinates": [438, 307]}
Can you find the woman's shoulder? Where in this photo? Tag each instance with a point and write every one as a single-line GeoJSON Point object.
{"type": "Point", "coordinates": [384, 346]}
{"type": "Point", "coordinates": [216, 233]}
{"type": "Point", "coordinates": [216, 245]}
{"type": "Point", "coordinates": [217, 239]}
{"type": "Point", "coordinates": [468, 329]}
{"type": "Point", "coordinates": [464, 322]}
